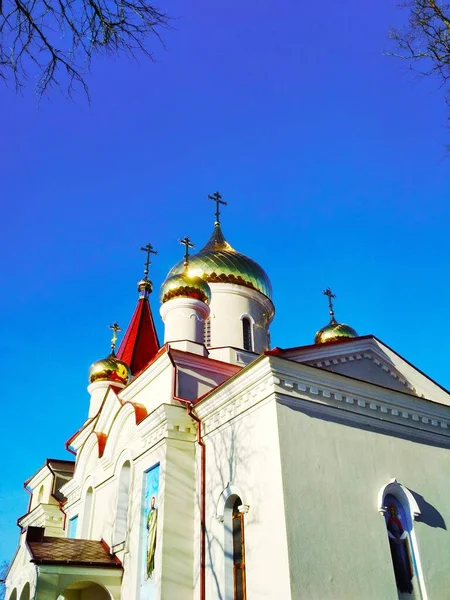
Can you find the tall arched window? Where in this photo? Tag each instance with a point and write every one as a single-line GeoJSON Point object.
{"type": "Point", "coordinates": [247, 334]}
{"type": "Point", "coordinates": [87, 514]}
{"type": "Point", "coordinates": [238, 551]}
{"type": "Point", "coordinates": [25, 595]}
{"type": "Point", "coordinates": [399, 509]}
{"type": "Point", "coordinates": [232, 511]}
{"type": "Point", "coordinates": [41, 494]}
{"type": "Point", "coordinates": [123, 494]}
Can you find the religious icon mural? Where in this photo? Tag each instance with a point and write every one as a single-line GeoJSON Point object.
{"type": "Point", "coordinates": [149, 532]}
{"type": "Point", "coordinates": [397, 527]}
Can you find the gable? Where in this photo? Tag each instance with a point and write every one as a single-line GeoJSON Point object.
{"type": "Point", "coordinates": [368, 359]}
{"type": "Point", "coordinates": [370, 368]}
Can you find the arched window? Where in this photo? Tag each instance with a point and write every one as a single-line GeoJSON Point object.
{"type": "Point", "coordinates": [13, 595]}
{"type": "Point", "coordinates": [41, 494]}
{"type": "Point", "coordinates": [123, 494]}
{"type": "Point", "coordinates": [237, 518]}
{"type": "Point", "coordinates": [399, 508]}
{"type": "Point", "coordinates": [247, 334]}
{"type": "Point", "coordinates": [25, 595]}
{"type": "Point", "coordinates": [231, 511]}
{"type": "Point", "coordinates": [87, 514]}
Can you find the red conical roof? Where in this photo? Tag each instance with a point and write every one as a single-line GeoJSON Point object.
{"type": "Point", "coordinates": [140, 342]}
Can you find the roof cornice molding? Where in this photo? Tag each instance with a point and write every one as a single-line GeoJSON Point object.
{"type": "Point", "coordinates": [352, 395]}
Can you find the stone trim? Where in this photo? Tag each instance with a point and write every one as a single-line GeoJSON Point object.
{"type": "Point", "coordinates": [361, 355]}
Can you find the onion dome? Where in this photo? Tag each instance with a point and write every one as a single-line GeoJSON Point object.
{"type": "Point", "coordinates": [218, 262]}
{"type": "Point", "coordinates": [185, 285]}
{"type": "Point", "coordinates": [334, 331]}
{"type": "Point", "coordinates": [109, 369]}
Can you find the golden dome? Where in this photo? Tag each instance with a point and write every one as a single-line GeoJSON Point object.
{"type": "Point", "coordinates": [110, 369]}
{"type": "Point", "coordinates": [334, 331]}
{"type": "Point", "coordinates": [185, 285]}
{"type": "Point", "coordinates": [218, 262]}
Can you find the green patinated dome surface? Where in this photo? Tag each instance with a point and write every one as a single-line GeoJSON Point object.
{"type": "Point", "coordinates": [218, 262]}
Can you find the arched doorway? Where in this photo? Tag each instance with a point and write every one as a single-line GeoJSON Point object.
{"type": "Point", "coordinates": [85, 590]}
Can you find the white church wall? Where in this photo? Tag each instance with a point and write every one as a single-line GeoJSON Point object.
{"type": "Point", "coordinates": [243, 454]}
{"type": "Point", "coordinates": [229, 304]}
{"type": "Point", "coordinates": [21, 572]}
{"type": "Point", "coordinates": [332, 474]}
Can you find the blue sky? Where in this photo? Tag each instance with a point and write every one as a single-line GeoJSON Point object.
{"type": "Point", "coordinates": [330, 155]}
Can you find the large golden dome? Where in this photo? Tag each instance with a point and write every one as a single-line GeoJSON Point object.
{"type": "Point", "coordinates": [218, 262]}
{"type": "Point", "coordinates": [109, 369]}
{"type": "Point", "coordinates": [334, 331]}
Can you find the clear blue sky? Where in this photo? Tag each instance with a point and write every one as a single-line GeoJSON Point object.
{"type": "Point", "coordinates": [330, 155]}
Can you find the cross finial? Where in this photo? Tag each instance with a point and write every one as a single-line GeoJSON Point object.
{"type": "Point", "coordinates": [187, 244]}
{"type": "Point", "coordinates": [149, 249]}
{"type": "Point", "coordinates": [217, 198]}
{"type": "Point", "coordinates": [115, 328]}
{"type": "Point", "coordinates": [330, 295]}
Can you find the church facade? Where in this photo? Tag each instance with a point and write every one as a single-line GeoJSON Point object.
{"type": "Point", "coordinates": [216, 467]}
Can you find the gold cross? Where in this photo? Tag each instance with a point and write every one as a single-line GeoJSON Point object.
{"type": "Point", "coordinates": [330, 295]}
{"type": "Point", "coordinates": [187, 244]}
{"type": "Point", "coordinates": [149, 249]}
{"type": "Point", "coordinates": [217, 198]}
{"type": "Point", "coordinates": [115, 328]}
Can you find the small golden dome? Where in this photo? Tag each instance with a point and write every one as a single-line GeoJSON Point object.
{"type": "Point", "coordinates": [110, 369]}
{"type": "Point", "coordinates": [334, 331]}
{"type": "Point", "coordinates": [218, 262]}
{"type": "Point", "coordinates": [145, 286]}
{"type": "Point", "coordinates": [185, 285]}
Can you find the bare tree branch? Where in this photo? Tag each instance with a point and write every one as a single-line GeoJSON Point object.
{"type": "Point", "coordinates": [55, 41]}
{"type": "Point", "coordinates": [425, 42]}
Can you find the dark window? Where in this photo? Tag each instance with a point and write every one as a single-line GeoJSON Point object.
{"type": "Point", "coordinates": [207, 333]}
{"type": "Point", "coordinates": [397, 524]}
{"type": "Point", "coordinates": [238, 552]}
{"type": "Point", "coordinates": [247, 334]}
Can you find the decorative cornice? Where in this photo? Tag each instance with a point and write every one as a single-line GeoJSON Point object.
{"type": "Point", "coordinates": [356, 356]}
{"type": "Point", "coordinates": [361, 397]}
{"type": "Point", "coordinates": [365, 401]}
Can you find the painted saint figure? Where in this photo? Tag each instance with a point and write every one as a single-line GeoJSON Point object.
{"type": "Point", "coordinates": [152, 521]}
{"type": "Point", "coordinates": [398, 541]}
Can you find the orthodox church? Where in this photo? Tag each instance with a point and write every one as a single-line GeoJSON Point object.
{"type": "Point", "coordinates": [215, 466]}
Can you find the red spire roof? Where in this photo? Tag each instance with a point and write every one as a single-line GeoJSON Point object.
{"type": "Point", "coordinates": [140, 342]}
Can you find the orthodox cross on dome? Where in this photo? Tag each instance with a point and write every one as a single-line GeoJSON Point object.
{"type": "Point", "coordinates": [330, 295]}
{"type": "Point", "coordinates": [115, 328]}
{"type": "Point", "coordinates": [150, 250]}
{"type": "Point", "coordinates": [187, 244]}
{"type": "Point", "coordinates": [217, 198]}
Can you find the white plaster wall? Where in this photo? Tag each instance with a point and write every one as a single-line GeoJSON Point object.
{"type": "Point", "coordinates": [184, 319]}
{"type": "Point", "coordinates": [332, 474]}
{"type": "Point", "coordinates": [229, 303]}
{"type": "Point", "coordinates": [245, 453]}
{"type": "Point", "coordinates": [47, 498]}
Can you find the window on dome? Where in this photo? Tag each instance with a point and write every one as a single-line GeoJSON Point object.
{"type": "Point", "coordinates": [247, 334]}
{"type": "Point", "coordinates": [123, 493]}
